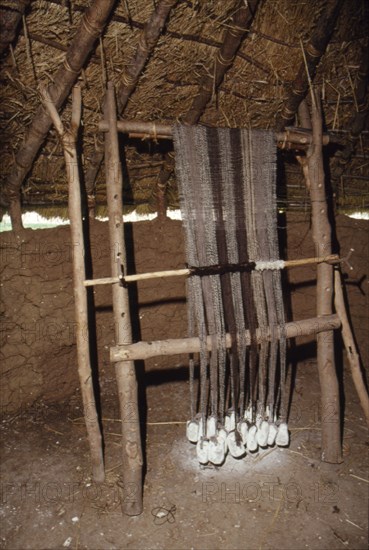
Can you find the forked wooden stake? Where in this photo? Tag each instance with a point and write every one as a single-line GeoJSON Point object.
{"type": "Point", "coordinates": [349, 342]}
{"type": "Point", "coordinates": [321, 231]}
{"type": "Point", "coordinates": [69, 139]}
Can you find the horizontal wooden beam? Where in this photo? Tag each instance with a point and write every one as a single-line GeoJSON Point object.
{"type": "Point", "coordinates": [290, 138]}
{"type": "Point", "coordinates": [145, 350]}
{"type": "Point", "coordinates": [331, 259]}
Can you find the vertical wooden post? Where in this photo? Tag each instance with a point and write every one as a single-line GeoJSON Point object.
{"type": "Point", "coordinates": [15, 213]}
{"type": "Point", "coordinates": [321, 230]}
{"type": "Point", "coordinates": [79, 275]}
{"type": "Point", "coordinates": [124, 370]}
{"type": "Point", "coordinates": [161, 201]}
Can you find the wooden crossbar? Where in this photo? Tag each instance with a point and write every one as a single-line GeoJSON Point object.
{"type": "Point", "coordinates": [331, 258]}
{"type": "Point", "coordinates": [146, 350]}
{"type": "Point", "coordinates": [291, 138]}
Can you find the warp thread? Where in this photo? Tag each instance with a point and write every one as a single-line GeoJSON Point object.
{"type": "Point", "coordinates": [227, 191]}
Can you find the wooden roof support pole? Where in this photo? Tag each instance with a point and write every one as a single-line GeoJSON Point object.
{"type": "Point", "coordinates": [92, 24]}
{"type": "Point", "coordinates": [126, 377]}
{"type": "Point", "coordinates": [10, 19]}
{"type": "Point", "coordinates": [321, 231]}
{"type": "Point", "coordinates": [357, 123]}
{"type": "Point", "coordinates": [128, 81]}
{"type": "Point", "coordinates": [146, 44]}
{"type": "Point", "coordinates": [224, 59]}
{"type": "Point", "coordinates": [313, 52]}
{"type": "Point", "coordinates": [69, 139]}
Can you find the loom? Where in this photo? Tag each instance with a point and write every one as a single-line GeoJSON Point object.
{"type": "Point", "coordinates": [236, 320]}
{"type": "Point", "coordinates": [228, 204]}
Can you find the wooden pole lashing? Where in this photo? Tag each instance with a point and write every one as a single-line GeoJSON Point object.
{"type": "Point", "coordinates": [126, 377]}
{"type": "Point", "coordinates": [69, 139]}
{"type": "Point", "coordinates": [321, 231]}
{"type": "Point", "coordinates": [146, 350]}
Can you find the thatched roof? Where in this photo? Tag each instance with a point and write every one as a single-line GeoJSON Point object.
{"type": "Point", "coordinates": [256, 86]}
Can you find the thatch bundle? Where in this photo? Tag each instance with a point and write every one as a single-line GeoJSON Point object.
{"type": "Point", "coordinates": [275, 45]}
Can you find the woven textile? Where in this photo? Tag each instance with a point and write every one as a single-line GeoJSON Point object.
{"type": "Point", "coordinates": [227, 189]}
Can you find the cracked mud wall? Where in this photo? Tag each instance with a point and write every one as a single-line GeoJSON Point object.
{"type": "Point", "coordinates": [38, 351]}
{"type": "Point", "coordinates": [38, 346]}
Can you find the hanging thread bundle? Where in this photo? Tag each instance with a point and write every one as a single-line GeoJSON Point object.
{"type": "Point", "coordinates": [227, 189]}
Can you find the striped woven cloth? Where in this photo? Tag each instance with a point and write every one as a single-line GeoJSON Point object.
{"type": "Point", "coordinates": [227, 189]}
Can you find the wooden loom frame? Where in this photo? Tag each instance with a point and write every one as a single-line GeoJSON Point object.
{"type": "Point", "coordinates": [125, 352]}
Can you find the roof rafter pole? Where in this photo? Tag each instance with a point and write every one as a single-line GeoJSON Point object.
{"type": "Point", "coordinates": [224, 59]}
{"type": "Point", "coordinates": [322, 238]}
{"type": "Point", "coordinates": [92, 24]}
{"type": "Point", "coordinates": [209, 84]}
{"type": "Point", "coordinates": [10, 19]}
{"type": "Point", "coordinates": [361, 94]}
{"type": "Point", "coordinates": [314, 51]}
{"type": "Point", "coordinates": [128, 82]}
{"type": "Point", "coordinates": [350, 344]}
{"type": "Point", "coordinates": [357, 123]}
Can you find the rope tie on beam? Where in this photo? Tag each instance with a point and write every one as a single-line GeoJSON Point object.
{"type": "Point", "coordinates": [69, 68]}
{"type": "Point", "coordinates": [312, 51]}
{"type": "Point", "coordinates": [236, 32]}
{"type": "Point", "coordinates": [298, 91]}
{"type": "Point", "coordinates": [287, 113]}
{"type": "Point", "coordinates": [154, 133]}
{"type": "Point", "coordinates": [143, 44]}
{"type": "Point", "coordinates": [90, 27]}
{"type": "Point", "coordinates": [128, 80]}
{"type": "Point", "coordinates": [224, 60]}
{"type": "Point", "coordinates": [284, 142]}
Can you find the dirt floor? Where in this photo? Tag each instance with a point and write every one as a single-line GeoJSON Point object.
{"type": "Point", "coordinates": [280, 498]}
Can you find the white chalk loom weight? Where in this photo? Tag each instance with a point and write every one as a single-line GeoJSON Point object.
{"type": "Point", "coordinates": [213, 441]}
{"type": "Point", "coordinates": [222, 436]}
{"type": "Point", "coordinates": [216, 452]}
{"type": "Point", "coordinates": [235, 445]}
{"type": "Point", "coordinates": [272, 434]}
{"type": "Point", "coordinates": [252, 443]}
{"type": "Point", "coordinates": [283, 436]}
{"type": "Point", "coordinates": [243, 429]}
{"type": "Point", "coordinates": [262, 434]}
{"type": "Point", "coordinates": [202, 451]}
{"type": "Point", "coordinates": [192, 431]}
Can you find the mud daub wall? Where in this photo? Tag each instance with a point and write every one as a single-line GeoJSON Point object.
{"type": "Point", "coordinates": [38, 346]}
{"type": "Point", "coordinates": [38, 351]}
{"type": "Point", "coordinates": [347, 233]}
